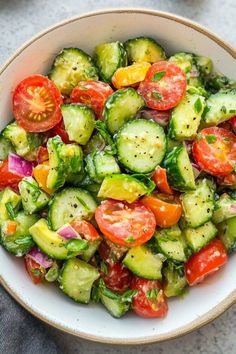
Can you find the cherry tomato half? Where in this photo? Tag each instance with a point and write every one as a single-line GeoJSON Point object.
{"type": "Point", "coordinates": [125, 224]}
{"type": "Point", "coordinates": [215, 151]}
{"type": "Point", "coordinates": [35, 270]}
{"type": "Point", "coordinates": [43, 154]}
{"type": "Point", "coordinates": [7, 178]}
{"type": "Point", "coordinates": [93, 94]}
{"type": "Point", "coordinates": [130, 75]}
{"type": "Point", "coordinates": [233, 123]}
{"type": "Point", "coordinates": [150, 300]}
{"type": "Point", "coordinates": [205, 262]}
{"type": "Point", "coordinates": [85, 229]}
{"type": "Point", "coordinates": [36, 104]}
{"type": "Point", "coordinates": [167, 209]}
{"type": "Point", "coordinates": [59, 129]}
{"type": "Point", "coordinates": [160, 179]}
{"type": "Point", "coordinates": [117, 278]}
{"type": "Point", "coordinates": [164, 86]}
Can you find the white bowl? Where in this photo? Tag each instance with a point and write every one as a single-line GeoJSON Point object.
{"type": "Point", "coordinates": [204, 302]}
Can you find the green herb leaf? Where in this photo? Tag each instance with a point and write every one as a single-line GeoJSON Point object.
{"type": "Point", "coordinates": [10, 210]}
{"type": "Point", "coordinates": [205, 111]}
{"type": "Point", "coordinates": [37, 272]}
{"type": "Point", "coordinates": [53, 273]}
{"type": "Point", "coordinates": [233, 111]}
{"type": "Point", "coordinates": [156, 95]}
{"type": "Point", "coordinates": [130, 239]}
{"type": "Point", "coordinates": [198, 105]}
{"type": "Point", "coordinates": [128, 295]}
{"type": "Point", "coordinates": [145, 180]}
{"type": "Point", "coordinates": [101, 128]}
{"type": "Point", "coordinates": [23, 240]}
{"type": "Point", "coordinates": [152, 294]}
{"type": "Point", "coordinates": [211, 138]}
{"type": "Point", "coordinates": [223, 109]}
{"type": "Point", "coordinates": [158, 76]}
{"type": "Point", "coordinates": [95, 295]}
{"type": "Point", "coordinates": [77, 245]}
{"type": "Point", "coordinates": [106, 292]}
{"type": "Point", "coordinates": [104, 268]}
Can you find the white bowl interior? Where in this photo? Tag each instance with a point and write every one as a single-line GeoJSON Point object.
{"type": "Point", "coordinates": [46, 301]}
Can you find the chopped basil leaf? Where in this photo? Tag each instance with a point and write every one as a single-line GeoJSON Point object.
{"type": "Point", "coordinates": [10, 210]}
{"type": "Point", "coordinates": [232, 111]}
{"type": "Point", "coordinates": [77, 245]}
{"type": "Point", "coordinates": [104, 268]}
{"type": "Point", "coordinates": [23, 240]}
{"type": "Point", "coordinates": [156, 95]}
{"type": "Point", "coordinates": [95, 296]}
{"type": "Point", "coordinates": [37, 272]}
{"type": "Point", "coordinates": [128, 295]}
{"type": "Point", "coordinates": [158, 76]}
{"type": "Point", "coordinates": [211, 138]}
{"type": "Point", "coordinates": [130, 239]}
{"type": "Point", "coordinates": [205, 111]}
{"type": "Point", "coordinates": [152, 294]}
{"type": "Point", "coordinates": [198, 105]}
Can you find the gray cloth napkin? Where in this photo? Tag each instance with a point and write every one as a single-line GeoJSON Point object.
{"type": "Point", "coordinates": [21, 333]}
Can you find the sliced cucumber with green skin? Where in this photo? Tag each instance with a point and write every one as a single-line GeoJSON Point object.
{"type": "Point", "coordinates": [227, 233]}
{"type": "Point", "coordinates": [204, 64]}
{"type": "Point", "coordinates": [170, 144]}
{"type": "Point", "coordinates": [141, 145]}
{"type": "Point", "coordinates": [217, 82]}
{"type": "Point", "coordinates": [5, 148]}
{"type": "Point", "coordinates": [8, 197]}
{"type": "Point", "coordinates": [108, 58]}
{"type": "Point", "coordinates": [199, 237]}
{"type": "Point", "coordinates": [225, 208]}
{"type": "Point", "coordinates": [179, 169]}
{"type": "Point", "coordinates": [96, 142]}
{"type": "Point", "coordinates": [57, 172]}
{"type": "Point", "coordinates": [219, 108]}
{"type": "Point", "coordinates": [143, 263]}
{"type": "Point", "coordinates": [89, 253]}
{"type": "Point", "coordinates": [79, 122]}
{"type": "Point", "coordinates": [142, 49]}
{"type": "Point", "coordinates": [198, 205]}
{"type": "Point", "coordinates": [20, 242]}
{"type": "Point", "coordinates": [105, 164]}
{"type": "Point", "coordinates": [182, 60]}
{"type": "Point", "coordinates": [170, 242]}
{"type": "Point", "coordinates": [71, 66]}
{"type": "Point", "coordinates": [174, 279]}
{"type": "Point", "coordinates": [186, 117]}
{"type": "Point", "coordinates": [33, 198]}
{"type": "Point", "coordinates": [72, 157]}
{"type": "Point", "coordinates": [49, 241]}
{"type": "Point", "coordinates": [122, 187]}
{"type": "Point", "coordinates": [77, 278]}
{"type": "Point", "coordinates": [69, 204]}
{"type": "Point", "coordinates": [115, 307]}
{"type": "Point", "coordinates": [121, 107]}
{"type": "Point", "coordinates": [91, 170]}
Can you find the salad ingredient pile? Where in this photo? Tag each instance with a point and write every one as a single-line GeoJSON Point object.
{"type": "Point", "coordinates": [118, 175]}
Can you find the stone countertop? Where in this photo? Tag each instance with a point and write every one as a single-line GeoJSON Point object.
{"type": "Point", "coordinates": [19, 20]}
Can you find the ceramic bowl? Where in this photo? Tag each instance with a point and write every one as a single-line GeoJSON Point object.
{"type": "Point", "coordinates": [203, 303]}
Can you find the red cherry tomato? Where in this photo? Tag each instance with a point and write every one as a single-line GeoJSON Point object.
{"type": "Point", "coordinates": [215, 151]}
{"type": "Point", "coordinates": [160, 179]}
{"type": "Point", "coordinates": [208, 260]}
{"type": "Point", "coordinates": [164, 86]}
{"type": "Point", "coordinates": [7, 178]}
{"type": "Point", "coordinates": [43, 154]}
{"type": "Point", "coordinates": [125, 224]}
{"type": "Point", "coordinates": [36, 104]}
{"type": "Point", "coordinates": [150, 300]}
{"type": "Point", "coordinates": [93, 94]}
{"type": "Point", "coordinates": [229, 180]}
{"type": "Point", "coordinates": [118, 277]}
{"type": "Point", "coordinates": [35, 270]}
{"type": "Point", "coordinates": [85, 229]}
{"type": "Point", "coordinates": [233, 123]}
{"type": "Point", "coordinates": [59, 129]}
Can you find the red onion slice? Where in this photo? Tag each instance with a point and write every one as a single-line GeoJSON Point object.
{"type": "Point", "coordinates": [40, 257]}
{"type": "Point", "coordinates": [20, 166]}
{"type": "Point", "coordinates": [68, 232]}
{"type": "Point", "coordinates": [161, 117]}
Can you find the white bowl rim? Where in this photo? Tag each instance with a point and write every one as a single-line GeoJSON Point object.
{"type": "Point", "coordinates": [221, 307]}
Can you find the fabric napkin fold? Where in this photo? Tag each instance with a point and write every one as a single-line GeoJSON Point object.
{"type": "Point", "coordinates": [21, 333]}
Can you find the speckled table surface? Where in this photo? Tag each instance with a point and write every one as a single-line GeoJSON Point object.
{"type": "Point", "coordinates": [19, 20]}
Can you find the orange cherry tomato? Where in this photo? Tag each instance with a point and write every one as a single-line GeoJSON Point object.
{"type": "Point", "coordinates": [167, 209]}
{"type": "Point", "coordinates": [130, 75]}
{"type": "Point", "coordinates": [40, 173]}
{"type": "Point", "coordinates": [160, 179]}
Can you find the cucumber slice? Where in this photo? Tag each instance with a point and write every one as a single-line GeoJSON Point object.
{"type": "Point", "coordinates": [183, 60]}
{"type": "Point", "coordinates": [91, 170]}
{"type": "Point", "coordinates": [121, 107]}
{"type": "Point", "coordinates": [122, 187]}
{"type": "Point", "coordinates": [8, 197]}
{"type": "Point", "coordinates": [77, 278]}
{"type": "Point", "coordinates": [115, 307]}
{"type": "Point", "coordinates": [171, 243]}
{"type": "Point", "coordinates": [89, 253]}
{"type": "Point", "coordinates": [179, 169]}
{"type": "Point", "coordinates": [227, 233]}
{"type": "Point", "coordinates": [141, 145]}
{"type": "Point", "coordinates": [174, 279]}
{"type": "Point", "coordinates": [198, 205]}
{"type": "Point", "coordinates": [72, 158]}
{"type": "Point", "coordinates": [144, 49]}
{"type": "Point", "coordinates": [204, 64]}
{"type": "Point", "coordinates": [143, 263]}
{"type": "Point", "coordinates": [108, 58]}
{"type": "Point", "coordinates": [79, 122]}
{"type": "Point", "coordinates": [199, 237]}
{"type": "Point", "coordinates": [20, 242]}
{"type": "Point", "coordinates": [105, 164]}
{"type": "Point", "coordinates": [186, 117]}
{"type": "Point", "coordinates": [225, 208]}
{"type": "Point", "coordinates": [69, 204]}
{"type": "Point", "coordinates": [220, 107]}
{"type": "Point", "coordinates": [33, 198]}
{"type": "Point", "coordinates": [5, 148]}
{"type": "Point", "coordinates": [57, 172]}
{"type": "Point", "coordinates": [70, 66]}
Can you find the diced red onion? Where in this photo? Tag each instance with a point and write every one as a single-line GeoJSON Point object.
{"type": "Point", "coordinates": [188, 144]}
{"type": "Point", "coordinates": [40, 257]}
{"type": "Point", "coordinates": [233, 206]}
{"type": "Point", "coordinates": [20, 166]}
{"type": "Point", "coordinates": [196, 170]}
{"type": "Point", "coordinates": [194, 73]}
{"type": "Point", "coordinates": [68, 232]}
{"type": "Point", "coordinates": [161, 117]}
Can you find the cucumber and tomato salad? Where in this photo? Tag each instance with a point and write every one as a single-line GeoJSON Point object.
{"type": "Point", "coordinates": [117, 176]}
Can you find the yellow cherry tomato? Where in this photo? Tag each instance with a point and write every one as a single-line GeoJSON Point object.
{"type": "Point", "coordinates": [40, 173]}
{"type": "Point", "coordinates": [130, 75]}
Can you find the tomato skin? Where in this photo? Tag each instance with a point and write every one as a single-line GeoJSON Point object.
{"type": "Point", "coordinates": [125, 224]}
{"type": "Point", "coordinates": [43, 154]}
{"type": "Point", "coordinates": [145, 307]}
{"type": "Point", "coordinates": [118, 277]}
{"type": "Point", "coordinates": [7, 178]}
{"type": "Point", "coordinates": [229, 180]}
{"type": "Point", "coordinates": [35, 270]}
{"type": "Point", "coordinates": [167, 209]}
{"type": "Point", "coordinates": [93, 94]}
{"type": "Point", "coordinates": [233, 123]}
{"type": "Point", "coordinates": [85, 229]}
{"type": "Point", "coordinates": [205, 262]}
{"type": "Point", "coordinates": [36, 104]}
{"type": "Point", "coordinates": [59, 129]}
{"type": "Point", "coordinates": [218, 157]}
{"type": "Point", "coordinates": [160, 179]}
{"type": "Point", "coordinates": [165, 92]}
